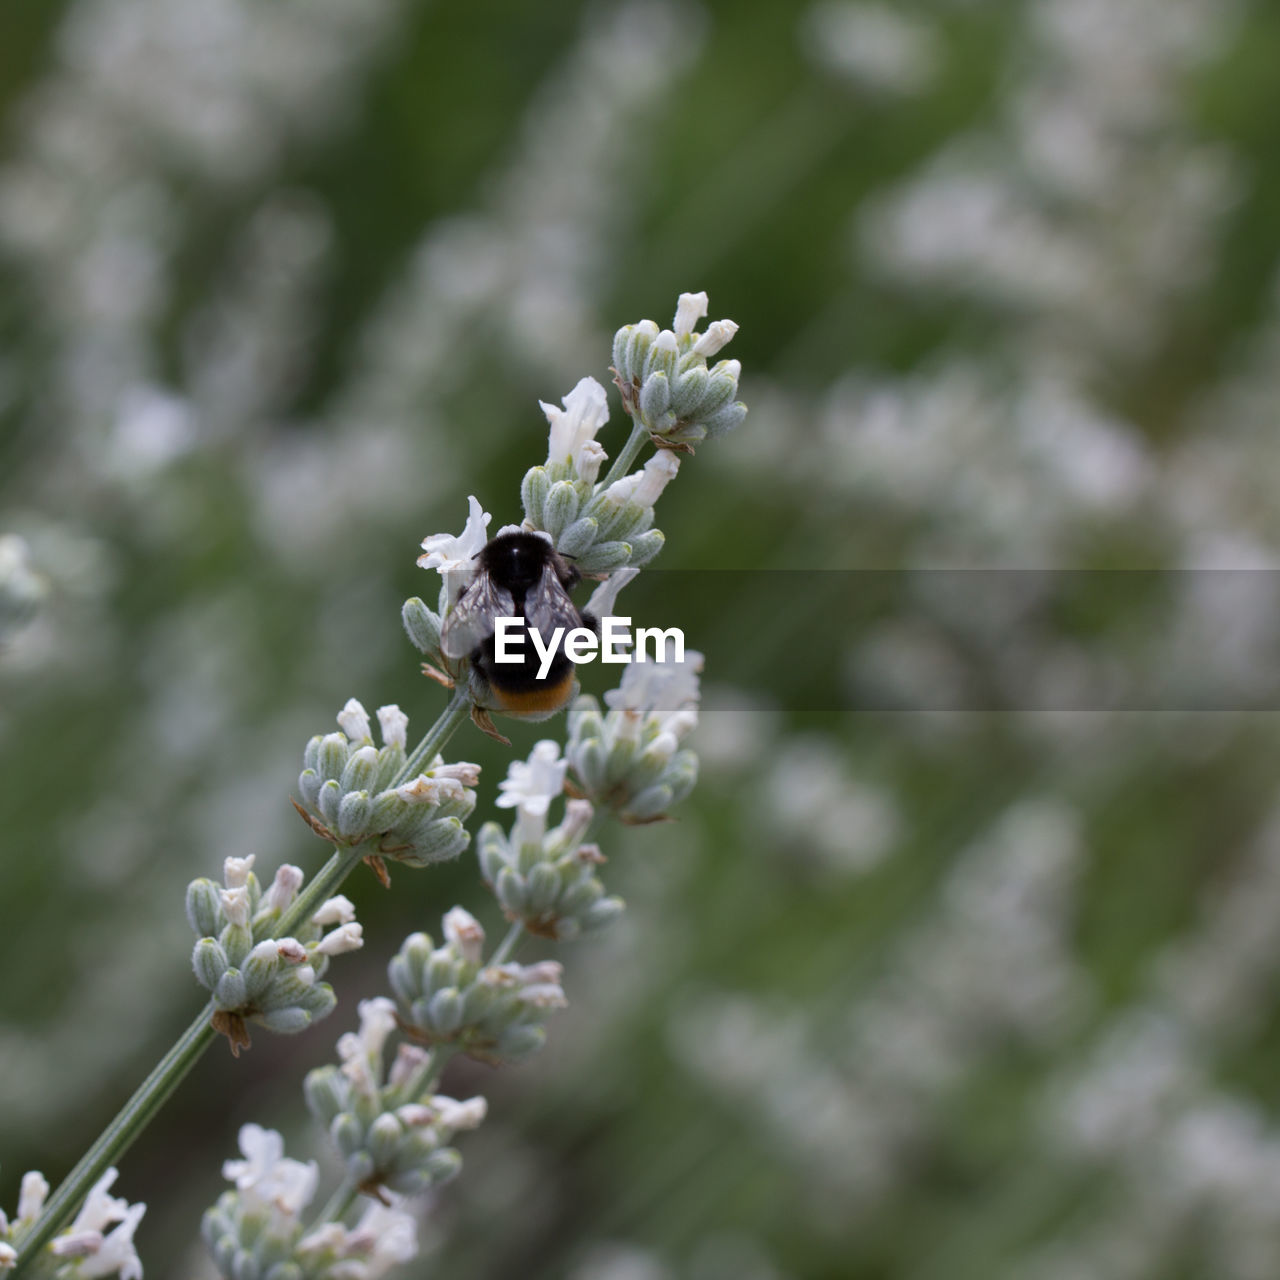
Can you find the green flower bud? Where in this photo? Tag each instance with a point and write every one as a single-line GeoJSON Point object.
{"type": "Point", "coordinates": [604, 557]}
{"type": "Point", "coordinates": [209, 961]}
{"type": "Point", "coordinates": [229, 991]}
{"type": "Point", "coordinates": [445, 1009]}
{"type": "Point", "coordinates": [287, 1021]}
{"type": "Point", "coordinates": [353, 815]}
{"type": "Point", "coordinates": [577, 537]}
{"type": "Point", "coordinates": [326, 1093]}
{"type": "Point", "coordinates": [533, 495]}
{"type": "Point", "coordinates": [204, 909]}
{"type": "Point", "coordinates": [561, 507]}
{"type": "Point", "coordinates": [543, 888]}
{"type": "Point", "coordinates": [421, 625]}
{"type": "Point", "coordinates": [260, 968]}
{"type": "Point", "coordinates": [361, 768]}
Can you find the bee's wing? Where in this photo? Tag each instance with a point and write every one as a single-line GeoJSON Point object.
{"type": "Point", "coordinates": [470, 621]}
{"type": "Point", "coordinates": [547, 606]}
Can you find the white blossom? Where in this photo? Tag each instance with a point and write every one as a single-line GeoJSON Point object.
{"type": "Point", "coordinates": [235, 871]}
{"type": "Point", "coordinates": [235, 905]}
{"type": "Point", "coordinates": [346, 937]}
{"type": "Point", "coordinates": [644, 487]}
{"type": "Point", "coordinates": [718, 335]}
{"type": "Point", "coordinates": [690, 308]}
{"type": "Point", "coordinates": [267, 1175]}
{"type": "Point", "coordinates": [336, 910]}
{"type": "Point", "coordinates": [454, 558]}
{"type": "Point", "coordinates": [669, 688]}
{"type": "Point", "coordinates": [394, 725]}
{"type": "Point", "coordinates": [464, 932]}
{"type": "Point", "coordinates": [574, 427]}
{"type": "Point", "coordinates": [31, 1196]}
{"type": "Point", "coordinates": [353, 720]}
{"type": "Point", "coordinates": [117, 1255]}
{"type": "Point", "coordinates": [530, 786]}
{"type": "Point", "coordinates": [284, 888]}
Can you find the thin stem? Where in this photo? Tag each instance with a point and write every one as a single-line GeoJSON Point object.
{"type": "Point", "coordinates": [344, 1196]}
{"type": "Point", "coordinates": [508, 944]}
{"type": "Point", "coordinates": [630, 450]}
{"type": "Point", "coordinates": [151, 1095]}
{"type": "Point", "coordinates": [116, 1138]}
{"type": "Point", "coordinates": [450, 719]}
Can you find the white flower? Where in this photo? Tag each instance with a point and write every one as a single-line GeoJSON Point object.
{"type": "Point", "coordinates": [394, 725]}
{"type": "Point", "coordinates": [530, 787]}
{"type": "Point", "coordinates": [100, 1210]}
{"type": "Point", "coordinates": [588, 461]}
{"type": "Point", "coordinates": [454, 558]}
{"type": "Point", "coordinates": [377, 1022]}
{"type": "Point", "coordinates": [8, 1256]}
{"type": "Point", "coordinates": [116, 1255]}
{"type": "Point", "coordinates": [384, 1237]}
{"type": "Point", "coordinates": [291, 951]}
{"type": "Point", "coordinates": [235, 904]}
{"type": "Point", "coordinates": [235, 871]}
{"type": "Point", "coordinates": [690, 308]}
{"type": "Point", "coordinates": [534, 783]}
{"type": "Point", "coordinates": [574, 427]}
{"type": "Point", "coordinates": [718, 335]}
{"type": "Point", "coordinates": [605, 596]}
{"type": "Point", "coordinates": [267, 1175]}
{"type": "Point", "coordinates": [336, 910]}
{"type": "Point", "coordinates": [284, 888]}
{"type": "Point", "coordinates": [31, 1196]}
{"type": "Point", "coordinates": [465, 934]}
{"type": "Point", "coordinates": [646, 486]}
{"type": "Point", "coordinates": [425, 790]}
{"type": "Point", "coordinates": [462, 772]}
{"type": "Point", "coordinates": [667, 689]}
{"type": "Point", "coordinates": [346, 937]}
{"type": "Point", "coordinates": [577, 818]}
{"type": "Point", "coordinates": [456, 1115]}
{"type": "Point", "coordinates": [353, 720]}
{"type": "Point", "coordinates": [409, 1059]}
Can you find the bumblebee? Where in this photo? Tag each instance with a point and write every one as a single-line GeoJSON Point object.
{"type": "Point", "coordinates": [520, 575]}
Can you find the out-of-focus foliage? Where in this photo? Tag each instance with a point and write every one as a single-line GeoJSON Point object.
{"type": "Point", "coordinates": [961, 960]}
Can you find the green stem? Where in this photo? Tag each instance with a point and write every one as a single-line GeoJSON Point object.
{"type": "Point", "coordinates": [335, 1209]}
{"type": "Point", "coordinates": [450, 719]}
{"type": "Point", "coordinates": [630, 451]}
{"type": "Point", "coordinates": [116, 1138]}
{"type": "Point", "coordinates": [508, 944]}
{"type": "Point", "coordinates": [151, 1095]}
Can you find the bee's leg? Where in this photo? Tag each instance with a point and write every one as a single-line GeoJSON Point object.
{"type": "Point", "coordinates": [434, 673]}
{"type": "Point", "coordinates": [484, 722]}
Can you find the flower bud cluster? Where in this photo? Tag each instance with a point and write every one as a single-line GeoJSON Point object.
{"type": "Point", "coordinates": [390, 1131]}
{"type": "Point", "coordinates": [600, 528]}
{"type": "Point", "coordinates": [252, 975]}
{"type": "Point", "coordinates": [664, 378]}
{"type": "Point", "coordinates": [630, 759]}
{"type": "Point", "coordinates": [253, 1231]}
{"type": "Point", "coordinates": [98, 1243]}
{"type": "Point", "coordinates": [446, 995]}
{"type": "Point", "coordinates": [348, 786]}
{"type": "Point", "coordinates": [545, 879]}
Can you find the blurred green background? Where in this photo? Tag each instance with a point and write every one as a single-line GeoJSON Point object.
{"type": "Point", "coordinates": [961, 959]}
